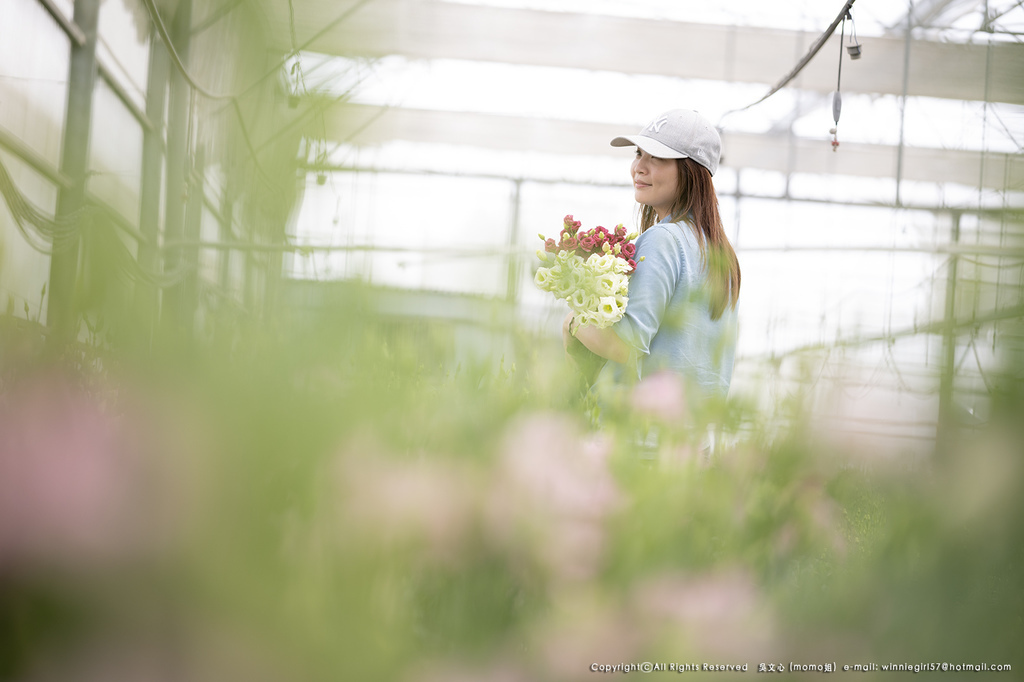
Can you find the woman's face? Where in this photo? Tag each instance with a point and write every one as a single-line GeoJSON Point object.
{"type": "Point", "coordinates": [655, 182]}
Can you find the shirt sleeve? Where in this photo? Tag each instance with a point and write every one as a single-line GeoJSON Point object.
{"type": "Point", "coordinates": [651, 288]}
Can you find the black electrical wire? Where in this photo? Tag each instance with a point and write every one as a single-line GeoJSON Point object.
{"type": "Point", "coordinates": [44, 234]}
{"type": "Point", "coordinates": [233, 98]}
{"type": "Point", "coordinates": [815, 47]}
{"type": "Point", "coordinates": [842, 38]}
{"type": "Point", "coordinates": [90, 222]}
{"type": "Point", "coordinates": [154, 16]}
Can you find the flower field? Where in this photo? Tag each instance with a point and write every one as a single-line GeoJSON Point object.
{"type": "Point", "coordinates": [336, 502]}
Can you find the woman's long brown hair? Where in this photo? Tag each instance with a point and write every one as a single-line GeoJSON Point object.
{"type": "Point", "coordinates": [697, 204]}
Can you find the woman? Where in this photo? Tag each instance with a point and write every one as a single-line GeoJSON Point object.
{"type": "Point", "coordinates": [681, 314]}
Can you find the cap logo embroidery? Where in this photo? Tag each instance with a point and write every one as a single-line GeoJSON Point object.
{"type": "Point", "coordinates": [657, 125]}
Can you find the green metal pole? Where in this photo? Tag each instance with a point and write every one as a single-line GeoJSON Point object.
{"type": "Point", "coordinates": [947, 413]}
{"type": "Point", "coordinates": [146, 295]}
{"type": "Point", "coordinates": [174, 313]}
{"type": "Point", "coordinates": [62, 315]}
{"type": "Point", "coordinates": [190, 255]}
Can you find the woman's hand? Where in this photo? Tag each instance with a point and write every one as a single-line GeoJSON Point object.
{"type": "Point", "coordinates": [603, 342]}
{"type": "Point", "coordinates": [567, 328]}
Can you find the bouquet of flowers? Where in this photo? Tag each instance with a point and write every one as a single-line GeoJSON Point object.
{"type": "Point", "coordinates": [589, 269]}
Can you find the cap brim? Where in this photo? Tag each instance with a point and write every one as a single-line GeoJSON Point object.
{"type": "Point", "coordinates": [649, 145]}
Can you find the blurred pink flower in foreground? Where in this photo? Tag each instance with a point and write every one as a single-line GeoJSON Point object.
{"type": "Point", "coordinates": [395, 500]}
{"type": "Point", "coordinates": [551, 494]}
{"type": "Point", "coordinates": [69, 488]}
{"type": "Point", "coordinates": [662, 396]}
{"type": "Point", "coordinates": [458, 672]}
{"type": "Point", "coordinates": [585, 626]}
{"type": "Point", "coordinates": [720, 614]}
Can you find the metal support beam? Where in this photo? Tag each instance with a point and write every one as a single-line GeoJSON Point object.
{"type": "Point", "coordinates": [512, 288]}
{"type": "Point", "coordinates": [994, 212]}
{"type": "Point", "coordinates": [147, 300]}
{"type": "Point", "coordinates": [69, 27]}
{"type": "Point", "coordinates": [946, 380]}
{"type": "Point", "coordinates": [424, 29]}
{"type": "Point", "coordinates": [227, 235]}
{"type": "Point", "coordinates": [33, 159]}
{"type": "Point", "coordinates": [374, 125]}
{"type": "Point", "coordinates": [173, 314]}
{"type": "Point", "coordinates": [119, 91]}
{"type": "Point", "coordinates": [192, 230]}
{"type": "Point", "coordinates": [61, 315]}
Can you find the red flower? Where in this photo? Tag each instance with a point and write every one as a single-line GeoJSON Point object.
{"type": "Point", "coordinates": [620, 231]}
{"type": "Point", "coordinates": [632, 264]}
{"type": "Point", "coordinates": [628, 250]}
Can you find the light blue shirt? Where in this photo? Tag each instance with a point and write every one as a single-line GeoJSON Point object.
{"type": "Point", "coordinates": [667, 323]}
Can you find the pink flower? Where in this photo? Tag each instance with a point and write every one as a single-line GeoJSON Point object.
{"type": "Point", "coordinates": [584, 627]}
{"type": "Point", "coordinates": [393, 501]}
{"type": "Point", "coordinates": [661, 396]}
{"type": "Point", "coordinates": [74, 488]}
{"type": "Point", "coordinates": [620, 231]}
{"type": "Point", "coordinates": [550, 245]}
{"type": "Point", "coordinates": [571, 225]}
{"type": "Point", "coordinates": [628, 250]}
{"type": "Point", "coordinates": [722, 613]}
{"type": "Point", "coordinates": [632, 264]}
{"type": "Point", "coordinates": [569, 244]}
{"type": "Point", "coordinates": [551, 495]}
{"type": "Point", "coordinates": [588, 243]}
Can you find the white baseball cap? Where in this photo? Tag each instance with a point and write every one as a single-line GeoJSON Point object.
{"type": "Point", "coordinates": [678, 134]}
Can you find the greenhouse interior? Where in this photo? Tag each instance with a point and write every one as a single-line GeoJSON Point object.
{"type": "Point", "coordinates": [282, 395]}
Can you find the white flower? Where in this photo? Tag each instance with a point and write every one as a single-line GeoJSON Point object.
{"type": "Point", "coordinates": [578, 300]}
{"type": "Point", "coordinates": [543, 278]}
{"type": "Point", "coordinates": [609, 310]}
{"type": "Point", "coordinates": [621, 283]}
{"type": "Point", "coordinates": [569, 257]}
{"type": "Point", "coordinates": [606, 284]}
{"type": "Point", "coordinates": [562, 285]}
{"type": "Point", "coordinates": [601, 263]}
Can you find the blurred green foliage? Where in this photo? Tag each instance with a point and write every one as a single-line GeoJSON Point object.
{"type": "Point", "coordinates": [333, 498]}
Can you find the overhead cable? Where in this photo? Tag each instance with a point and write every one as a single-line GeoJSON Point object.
{"type": "Point", "coordinates": [815, 47]}
{"type": "Point", "coordinates": [154, 15]}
